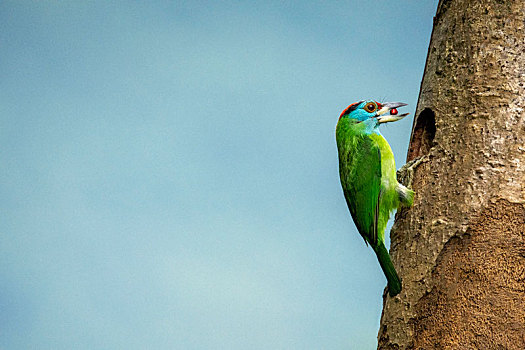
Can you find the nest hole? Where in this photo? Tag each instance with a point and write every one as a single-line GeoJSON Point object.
{"type": "Point", "coordinates": [423, 135]}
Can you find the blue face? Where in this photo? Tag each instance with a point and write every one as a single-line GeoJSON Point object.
{"type": "Point", "coordinates": [365, 110]}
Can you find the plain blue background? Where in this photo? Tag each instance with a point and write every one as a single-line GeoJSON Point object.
{"type": "Point", "coordinates": [169, 170]}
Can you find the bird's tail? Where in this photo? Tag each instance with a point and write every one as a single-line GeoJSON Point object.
{"type": "Point", "coordinates": [394, 283]}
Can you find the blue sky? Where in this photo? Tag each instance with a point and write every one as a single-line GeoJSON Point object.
{"type": "Point", "coordinates": [168, 170]}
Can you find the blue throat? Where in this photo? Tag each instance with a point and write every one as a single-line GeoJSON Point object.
{"type": "Point", "coordinates": [371, 126]}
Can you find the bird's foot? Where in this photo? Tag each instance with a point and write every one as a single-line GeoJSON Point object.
{"type": "Point", "coordinates": [405, 175]}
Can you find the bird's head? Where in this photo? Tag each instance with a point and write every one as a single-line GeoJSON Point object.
{"type": "Point", "coordinates": [372, 110]}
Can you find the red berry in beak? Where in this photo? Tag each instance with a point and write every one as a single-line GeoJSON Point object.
{"type": "Point", "coordinates": [393, 111]}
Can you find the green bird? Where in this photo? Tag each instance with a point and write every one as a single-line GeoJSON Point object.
{"type": "Point", "coordinates": [368, 176]}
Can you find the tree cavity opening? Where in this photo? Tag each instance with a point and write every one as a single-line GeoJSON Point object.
{"type": "Point", "coordinates": [423, 134]}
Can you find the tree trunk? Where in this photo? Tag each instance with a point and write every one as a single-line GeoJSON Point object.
{"type": "Point", "coordinates": [460, 250]}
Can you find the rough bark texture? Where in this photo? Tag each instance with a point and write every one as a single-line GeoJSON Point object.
{"type": "Point", "coordinates": [460, 250]}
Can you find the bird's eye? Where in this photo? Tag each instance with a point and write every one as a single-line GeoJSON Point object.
{"type": "Point", "coordinates": [370, 107]}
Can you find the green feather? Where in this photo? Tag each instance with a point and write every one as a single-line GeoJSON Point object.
{"type": "Point", "coordinates": [394, 283]}
{"type": "Point", "coordinates": [368, 177]}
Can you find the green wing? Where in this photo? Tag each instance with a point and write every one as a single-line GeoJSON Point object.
{"type": "Point", "coordinates": [360, 171]}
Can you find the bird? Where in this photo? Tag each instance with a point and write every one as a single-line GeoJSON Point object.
{"type": "Point", "coordinates": [368, 176]}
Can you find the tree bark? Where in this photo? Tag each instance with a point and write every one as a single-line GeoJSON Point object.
{"type": "Point", "coordinates": [460, 250]}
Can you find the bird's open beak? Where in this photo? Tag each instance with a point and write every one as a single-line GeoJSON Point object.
{"type": "Point", "coordinates": [386, 108]}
